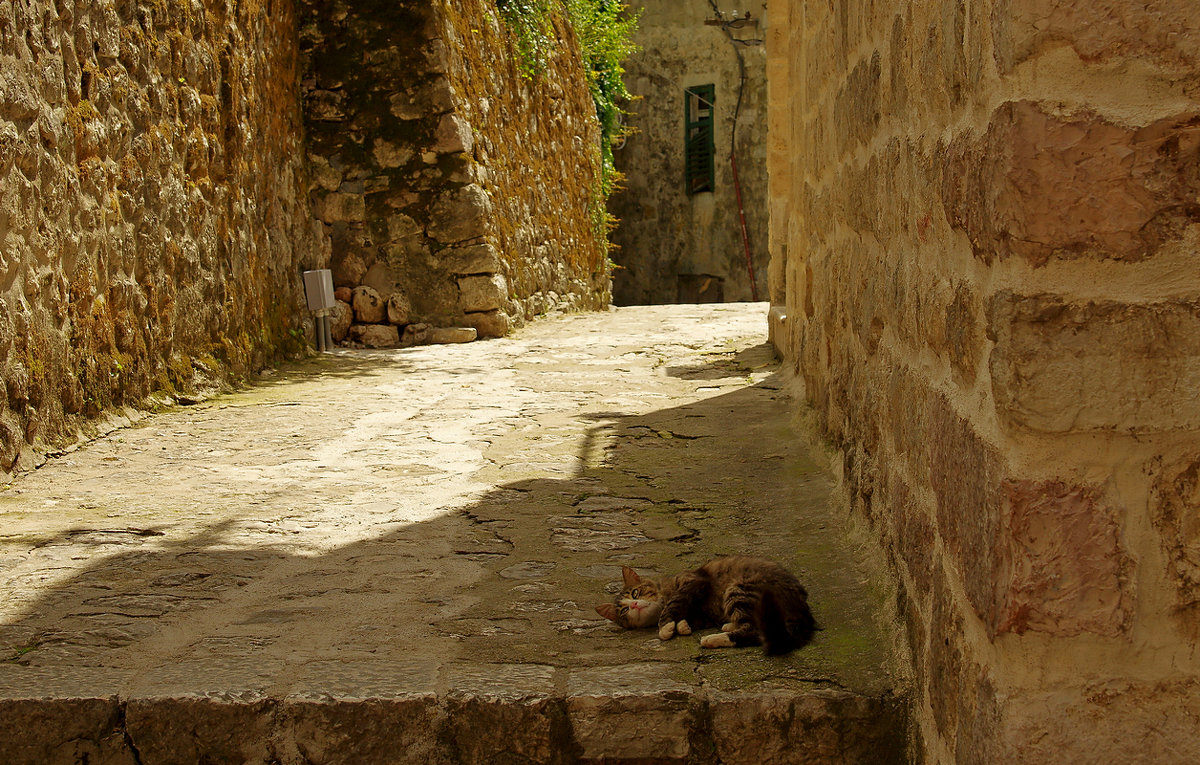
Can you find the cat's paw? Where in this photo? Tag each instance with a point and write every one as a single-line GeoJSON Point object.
{"type": "Point", "coordinates": [717, 640]}
{"type": "Point", "coordinates": [682, 627]}
{"type": "Point", "coordinates": [729, 626]}
{"type": "Point", "coordinates": [666, 631]}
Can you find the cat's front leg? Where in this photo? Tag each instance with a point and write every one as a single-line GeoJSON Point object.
{"type": "Point", "coordinates": [673, 620]}
{"type": "Point", "coordinates": [668, 630]}
{"type": "Point", "coordinates": [689, 590]}
{"type": "Point", "coordinates": [717, 640]}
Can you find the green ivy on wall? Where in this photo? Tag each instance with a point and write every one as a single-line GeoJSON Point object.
{"type": "Point", "coordinates": [532, 30]}
{"type": "Point", "coordinates": [605, 33]}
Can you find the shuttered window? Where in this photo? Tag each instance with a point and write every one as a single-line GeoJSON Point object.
{"type": "Point", "coordinates": [700, 145]}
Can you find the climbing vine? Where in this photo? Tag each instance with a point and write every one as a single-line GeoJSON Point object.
{"type": "Point", "coordinates": [605, 30]}
{"type": "Point", "coordinates": [529, 21]}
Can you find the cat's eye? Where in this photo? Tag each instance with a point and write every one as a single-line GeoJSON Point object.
{"type": "Point", "coordinates": [635, 593]}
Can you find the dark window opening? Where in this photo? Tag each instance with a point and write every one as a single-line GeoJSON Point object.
{"type": "Point", "coordinates": [700, 145]}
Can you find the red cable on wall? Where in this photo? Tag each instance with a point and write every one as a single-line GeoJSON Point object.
{"type": "Point", "coordinates": [719, 20]}
{"type": "Point", "coordinates": [737, 185]}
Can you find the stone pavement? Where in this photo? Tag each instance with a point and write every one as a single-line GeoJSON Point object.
{"type": "Point", "coordinates": [393, 556]}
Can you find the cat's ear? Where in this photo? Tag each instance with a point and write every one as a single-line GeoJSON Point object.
{"type": "Point", "coordinates": [608, 611]}
{"type": "Point", "coordinates": [630, 577]}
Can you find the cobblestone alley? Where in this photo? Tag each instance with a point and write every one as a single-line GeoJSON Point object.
{"type": "Point", "coordinates": [393, 556]}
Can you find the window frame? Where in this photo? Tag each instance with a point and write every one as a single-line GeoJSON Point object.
{"type": "Point", "coordinates": [699, 147]}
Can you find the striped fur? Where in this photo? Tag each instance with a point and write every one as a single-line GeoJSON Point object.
{"type": "Point", "coordinates": [754, 602]}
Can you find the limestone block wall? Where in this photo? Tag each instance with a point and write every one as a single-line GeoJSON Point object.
{"type": "Point", "coordinates": [985, 231]}
{"type": "Point", "coordinates": [153, 214]}
{"type": "Point", "coordinates": [456, 191]}
{"type": "Point", "coordinates": [664, 236]}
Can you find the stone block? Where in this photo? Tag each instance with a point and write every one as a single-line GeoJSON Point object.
{"type": "Point", "coordinates": [1061, 366]}
{"type": "Point", "coordinates": [340, 732]}
{"type": "Point", "coordinates": [408, 254]}
{"type": "Point", "coordinates": [349, 268]}
{"type": "Point", "coordinates": [1039, 184]}
{"type": "Point", "coordinates": [484, 731]}
{"type": "Point", "coordinates": [389, 155]}
{"type": "Point", "coordinates": [375, 335]}
{"type": "Point", "coordinates": [1123, 720]}
{"type": "Point", "coordinates": [978, 719]}
{"type": "Point", "coordinates": [189, 729]}
{"type": "Point", "coordinates": [946, 661]}
{"type": "Point", "coordinates": [453, 135]}
{"type": "Point", "coordinates": [471, 260]}
{"type": "Point", "coordinates": [325, 105]}
{"type": "Point", "coordinates": [490, 323]}
{"type": "Point", "coordinates": [1175, 512]}
{"type": "Point", "coordinates": [907, 403]}
{"type": "Point", "coordinates": [339, 207]}
{"type": "Point", "coordinates": [405, 106]}
{"type": "Point", "coordinates": [369, 306]}
{"type": "Point", "coordinates": [1044, 556]}
{"type": "Point", "coordinates": [398, 308]}
{"type": "Point", "coordinates": [964, 472]}
{"type": "Point", "coordinates": [817, 727]}
{"type": "Point", "coordinates": [382, 278]}
{"type": "Point", "coordinates": [401, 226]}
{"type": "Point", "coordinates": [419, 101]}
{"type": "Point", "coordinates": [323, 173]}
{"type": "Point", "coordinates": [1164, 31]}
{"type": "Point", "coordinates": [964, 333]}
{"type": "Point", "coordinates": [517, 699]}
{"type": "Point", "coordinates": [1065, 569]}
{"type": "Point", "coordinates": [341, 316]}
{"type": "Point", "coordinates": [914, 534]}
{"type": "Point", "coordinates": [16, 381]}
{"type": "Point", "coordinates": [416, 334]}
{"type": "Point", "coordinates": [460, 214]}
{"type": "Point", "coordinates": [86, 730]}
{"type": "Point", "coordinates": [451, 335]}
{"type": "Point", "coordinates": [482, 293]}
{"type": "Point", "coordinates": [636, 713]}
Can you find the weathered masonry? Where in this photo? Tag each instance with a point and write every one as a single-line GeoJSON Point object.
{"type": "Point", "coordinates": [985, 232]}
{"type": "Point", "coordinates": [454, 190]}
{"type": "Point", "coordinates": [168, 168]}
{"type": "Point", "coordinates": [679, 236]}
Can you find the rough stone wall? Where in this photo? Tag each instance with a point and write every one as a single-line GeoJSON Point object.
{"type": "Point", "coordinates": [985, 235]}
{"type": "Point", "coordinates": [456, 192]}
{"type": "Point", "coordinates": [664, 234]}
{"type": "Point", "coordinates": [153, 216]}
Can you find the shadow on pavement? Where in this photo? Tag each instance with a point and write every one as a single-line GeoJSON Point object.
{"type": "Point", "coordinates": [498, 595]}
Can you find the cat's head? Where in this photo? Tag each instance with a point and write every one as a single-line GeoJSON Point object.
{"type": "Point", "coordinates": [637, 605]}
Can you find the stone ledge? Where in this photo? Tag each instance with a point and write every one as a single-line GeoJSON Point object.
{"type": "Point", "coordinates": [486, 713]}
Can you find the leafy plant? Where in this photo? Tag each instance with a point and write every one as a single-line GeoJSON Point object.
{"type": "Point", "coordinates": [533, 32]}
{"type": "Point", "coordinates": [604, 30]}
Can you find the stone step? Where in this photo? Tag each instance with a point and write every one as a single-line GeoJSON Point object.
{"type": "Point", "coordinates": [460, 714]}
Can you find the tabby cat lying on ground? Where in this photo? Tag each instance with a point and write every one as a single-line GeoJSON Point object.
{"type": "Point", "coordinates": [753, 601]}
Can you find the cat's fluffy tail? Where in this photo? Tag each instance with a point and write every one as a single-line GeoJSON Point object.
{"type": "Point", "coordinates": [784, 629]}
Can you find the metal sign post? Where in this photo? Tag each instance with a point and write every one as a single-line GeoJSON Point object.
{"type": "Point", "coordinates": [318, 290]}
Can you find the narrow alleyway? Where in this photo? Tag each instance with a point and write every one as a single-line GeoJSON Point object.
{"type": "Point", "coordinates": [394, 556]}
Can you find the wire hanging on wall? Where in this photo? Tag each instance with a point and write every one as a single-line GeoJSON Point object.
{"type": "Point", "coordinates": [727, 27]}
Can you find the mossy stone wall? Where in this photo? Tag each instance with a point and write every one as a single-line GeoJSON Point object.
{"type": "Point", "coordinates": [153, 221]}
{"type": "Point", "coordinates": [449, 183]}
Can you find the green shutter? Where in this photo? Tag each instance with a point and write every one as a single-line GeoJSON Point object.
{"type": "Point", "coordinates": [699, 141]}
